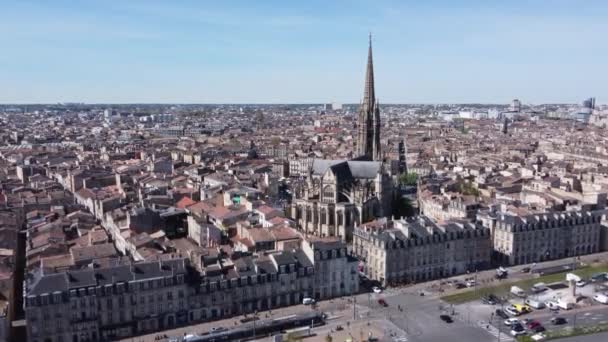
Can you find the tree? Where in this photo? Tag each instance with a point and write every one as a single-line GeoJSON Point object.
{"type": "Point", "coordinates": [408, 178]}
{"type": "Point", "coordinates": [328, 338]}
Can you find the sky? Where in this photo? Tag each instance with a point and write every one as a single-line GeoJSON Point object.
{"type": "Point", "coordinates": [432, 51]}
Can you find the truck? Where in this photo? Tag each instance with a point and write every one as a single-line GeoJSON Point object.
{"type": "Point", "coordinates": [517, 291]}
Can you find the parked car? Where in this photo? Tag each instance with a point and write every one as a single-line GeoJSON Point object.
{"type": "Point", "coordinates": [308, 301]}
{"type": "Point", "coordinates": [539, 329]}
{"type": "Point", "coordinates": [601, 298]}
{"type": "Point", "coordinates": [532, 324]}
{"type": "Point", "coordinates": [553, 306]}
{"type": "Point", "coordinates": [558, 320]}
{"type": "Point", "coordinates": [501, 313]}
{"type": "Point", "coordinates": [382, 302]}
{"type": "Point", "coordinates": [490, 300]}
{"type": "Point", "coordinates": [446, 318]}
{"type": "Point", "coordinates": [534, 303]}
{"type": "Point", "coordinates": [581, 283]}
{"type": "Point", "coordinates": [517, 330]}
{"type": "Point", "coordinates": [598, 277]}
{"type": "Point", "coordinates": [525, 270]}
{"type": "Point", "coordinates": [459, 285]}
{"type": "Point", "coordinates": [539, 287]}
{"type": "Point", "coordinates": [511, 311]}
{"type": "Point", "coordinates": [511, 321]}
{"type": "Point", "coordinates": [376, 289]}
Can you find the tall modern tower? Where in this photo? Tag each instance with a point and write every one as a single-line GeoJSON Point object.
{"type": "Point", "coordinates": [368, 124]}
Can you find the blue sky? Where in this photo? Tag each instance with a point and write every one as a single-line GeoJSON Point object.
{"type": "Point", "coordinates": [302, 51]}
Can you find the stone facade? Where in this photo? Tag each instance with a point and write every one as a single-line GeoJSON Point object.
{"type": "Point", "coordinates": [128, 300]}
{"type": "Point", "coordinates": [338, 194]}
{"type": "Point", "coordinates": [336, 273]}
{"type": "Point", "coordinates": [540, 237]}
{"type": "Point", "coordinates": [396, 252]}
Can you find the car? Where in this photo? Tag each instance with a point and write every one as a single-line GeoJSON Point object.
{"type": "Point", "coordinates": [517, 330]}
{"type": "Point", "coordinates": [526, 270]}
{"type": "Point", "coordinates": [376, 289]}
{"type": "Point", "coordinates": [490, 300]}
{"type": "Point", "coordinates": [308, 301]}
{"type": "Point", "coordinates": [553, 306]}
{"type": "Point", "coordinates": [218, 329]}
{"type": "Point", "coordinates": [446, 318]}
{"type": "Point", "coordinates": [460, 285]}
{"type": "Point", "coordinates": [493, 298]}
{"type": "Point", "coordinates": [471, 283]}
{"type": "Point", "coordinates": [558, 320]}
{"type": "Point", "coordinates": [581, 283]}
{"type": "Point", "coordinates": [339, 328]}
{"type": "Point", "coordinates": [501, 313]}
{"type": "Point", "coordinates": [599, 277]}
{"type": "Point", "coordinates": [525, 321]}
{"type": "Point", "coordinates": [601, 298]}
{"type": "Point", "coordinates": [382, 302]}
{"type": "Point", "coordinates": [539, 329]}
{"type": "Point", "coordinates": [511, 321]}
{"type": "Point", "coordinates": [532, 324]}
{"type": "Point", "coordinates": [511, 311]}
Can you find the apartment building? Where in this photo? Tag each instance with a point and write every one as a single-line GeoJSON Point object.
{"type": "Point", "coordinates": [119, 301]}
{"type": "Point", "coordinates": [522, 239]}
{"type": "Point", "coordinates": [336, 273]}
{"type": "Point", "coordinates": [405, 251]}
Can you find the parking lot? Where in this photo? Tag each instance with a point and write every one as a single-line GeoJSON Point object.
{"type": "Point", "coordinates": [584, 311]}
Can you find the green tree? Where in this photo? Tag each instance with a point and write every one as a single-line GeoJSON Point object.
{"type": "Point", "coordinates": [408, 178]}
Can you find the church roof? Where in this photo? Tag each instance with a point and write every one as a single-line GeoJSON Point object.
{"type": "Point", "coordinates": [357, 169]}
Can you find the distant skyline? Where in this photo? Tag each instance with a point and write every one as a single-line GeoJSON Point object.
{"type": "Point", "coordinates": [146, 51]}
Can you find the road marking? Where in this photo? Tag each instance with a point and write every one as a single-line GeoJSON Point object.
{"type": "Point", "coordinates": [400, 339]}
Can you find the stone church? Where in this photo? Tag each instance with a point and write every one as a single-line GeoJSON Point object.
{"type": "Point", "coordinates": [337, 195]}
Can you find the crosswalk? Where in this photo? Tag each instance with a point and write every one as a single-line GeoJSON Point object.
{"type": "Point", "coordinates": [400, 339]}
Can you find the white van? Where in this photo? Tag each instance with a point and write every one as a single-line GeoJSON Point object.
{"type": "Point", "coordinates": [308, 301]}
{"type": "Point", "coordinates": [518, 291]}
{"type": "Point", "coordinates": [601, 298]}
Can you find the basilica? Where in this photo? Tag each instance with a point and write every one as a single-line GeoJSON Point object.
{"type": "Point", "coordinates": [338, 195]}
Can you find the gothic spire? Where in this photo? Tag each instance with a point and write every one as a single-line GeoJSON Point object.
{"type": "Point", "coordinates": [369, 96]}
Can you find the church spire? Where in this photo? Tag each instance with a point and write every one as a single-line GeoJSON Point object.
{"type": "Point", "coordinates": [369, 96]}
{"type": "Point", "coordinates": [368, 123]}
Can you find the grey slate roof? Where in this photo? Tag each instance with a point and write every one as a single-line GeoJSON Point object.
{"type": "Point", "coordinates": [358, 169]}
{"type": "Point", "coordinates": [104, 276]}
